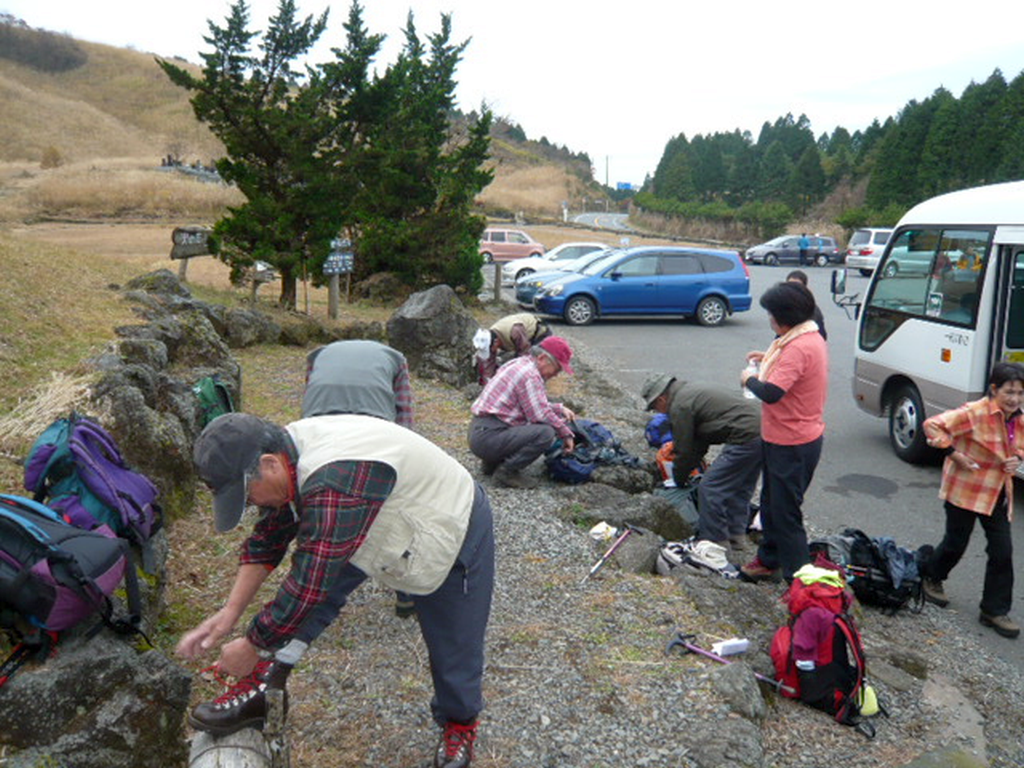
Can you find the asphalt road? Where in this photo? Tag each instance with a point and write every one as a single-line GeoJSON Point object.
{"type": "Point", "coordinates": [859, 481]}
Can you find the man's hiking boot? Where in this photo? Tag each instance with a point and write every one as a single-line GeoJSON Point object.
{"type": "Point", "coordinates": [934, 593]}
{"type": "Point", "coordinates": [455, 750]}
{"type": "Point", "coordinates": [244, 704]}
{"type": "Point", "coordinates": [487, 468]}
{"type": "Point", "coordinates": [512, 478]}
{"type": "Point", "coordinates": [1003, 625]}
{"type": "Point", "coordinates": [756, 571]}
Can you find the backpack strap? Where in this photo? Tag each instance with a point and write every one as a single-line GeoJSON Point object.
{"type": "Point", "coordinates": [848, 714]}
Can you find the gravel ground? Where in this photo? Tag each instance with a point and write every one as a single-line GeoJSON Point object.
{"type": "Point", "coordinates": [577, 674]}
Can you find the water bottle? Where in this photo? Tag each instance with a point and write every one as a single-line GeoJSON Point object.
{"type": "Point", "coordinates": [752, 369]}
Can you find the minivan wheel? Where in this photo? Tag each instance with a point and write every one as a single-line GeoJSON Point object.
{"type": "Point", "coordinates": [488, 258]}
{"type": "Point", "coordinates": [906, 425]}
{"type": "Point", "coordinates": [891, 269]}
{"type": "Point", "coordinates": [866, 272]}
{"type": "Point", "coordinates": [821, 260]}
{"type": "Point", "coordinates": [579, 310]}
{"type": "Point", "coordinates": [711, 311]}
{"type": "Point", "coordinates": [524, 272]}
{"type": "Point", "coordinates": [771, 260]}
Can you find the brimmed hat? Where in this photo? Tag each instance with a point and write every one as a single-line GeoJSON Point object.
{"type": "Point", "coordinates": [654, 386]}
{"type": "Point", "coordinates": [559, 349]}
{"type": "Point", "coordinates": [224, 453]}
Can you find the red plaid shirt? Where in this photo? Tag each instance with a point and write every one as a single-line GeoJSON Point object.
{"type": "Point", "coordinates": [979, 430]}
{"type": "Point", "coordinates": [516, 395]}
{"type": "Point", "coordinates": [338, 503]}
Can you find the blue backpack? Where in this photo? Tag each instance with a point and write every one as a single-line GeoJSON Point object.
{"type": "Point", "coordinates": [594, 446]}
{"type": "Point", "coordinates": [658, 430]}
{"type": "Point", "coordinates": [76, 467]}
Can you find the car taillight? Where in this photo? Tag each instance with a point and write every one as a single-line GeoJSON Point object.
{"type": "Point", "coordinates": [866, 251]}
{"type": "Point", "coordinates": [745, 268]}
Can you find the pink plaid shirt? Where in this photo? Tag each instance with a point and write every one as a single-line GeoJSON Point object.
{"type": "Point", "coordinates": [516, 395]}
{"type": "Point", "coordinates": [979, 430]}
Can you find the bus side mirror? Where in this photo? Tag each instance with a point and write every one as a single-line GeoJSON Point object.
{"type": "Point", "coordinates": [838, 282]}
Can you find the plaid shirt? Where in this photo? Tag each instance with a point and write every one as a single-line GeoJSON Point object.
{"type": "Point", "coordinates": [516, 396]}
{"type": "Point", "coordinates": [330, 520]}
{"type": "Point", "coordinates": [979, 430]}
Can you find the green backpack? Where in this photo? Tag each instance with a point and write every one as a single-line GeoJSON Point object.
{"type": "Point", "coordinates": [214, 399]}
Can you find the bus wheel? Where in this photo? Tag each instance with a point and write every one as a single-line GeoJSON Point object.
{"type": "Point", "coordinates": [906, 426]}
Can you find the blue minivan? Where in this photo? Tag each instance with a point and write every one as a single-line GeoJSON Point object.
{"type": "Point", "coordinates": [652, 280]}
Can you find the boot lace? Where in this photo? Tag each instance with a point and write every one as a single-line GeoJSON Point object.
{"type": "Point", "coordinates": [459, 738]}
{"type": "Point", "coordinates": [244, 687]}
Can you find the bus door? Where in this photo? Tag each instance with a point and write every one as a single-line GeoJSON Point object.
{"type": "Point", "coordinates": [1009, 344]}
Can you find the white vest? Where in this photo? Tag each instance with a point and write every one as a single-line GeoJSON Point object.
{"type": "Point", "coordinates": [418, 532]}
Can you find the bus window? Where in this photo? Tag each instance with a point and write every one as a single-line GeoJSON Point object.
{"type": "Point", "coordinates": [1015, 316]}
{"type": "Point", "coordinates": [955, 280]}
{"type": "Point", "coordinates": [928, 272]}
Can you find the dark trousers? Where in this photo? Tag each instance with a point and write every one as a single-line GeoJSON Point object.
{"type": "Point", "coordinates": [997, 595]}
{"type": "Point", "coordinates": [453, 618]}
{"type": "Point", "coordinates": [495, 442]}
{"type": "Point", "coordinates": [788, 470]}
{"type": "Point", "coordinates": [725, 490]}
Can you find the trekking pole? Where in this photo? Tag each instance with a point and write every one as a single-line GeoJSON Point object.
{"type": "Point", "coordinates": [685, 642]}
{"type": "Point", "coordinates": [611, 550]}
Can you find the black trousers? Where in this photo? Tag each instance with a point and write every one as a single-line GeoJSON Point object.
{"type": "Point", "coordinates": [788, 470]}
{"type": "Point", "coordinates": [997, 594]}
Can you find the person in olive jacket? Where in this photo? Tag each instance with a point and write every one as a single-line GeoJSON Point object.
{"type": "Point", "coordinates": [702, 415]}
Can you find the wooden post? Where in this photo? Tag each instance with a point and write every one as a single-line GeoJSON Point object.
{"type": "Point", "coordinates": [332, 297]}
{"type": "Point", "coordinates": [246, 748]}
{"type": "Point", "coordinates": [497, 281]}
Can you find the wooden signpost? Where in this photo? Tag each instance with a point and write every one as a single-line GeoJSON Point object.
{"type": "Point", "coordinates": [340, 261]}
{"type": "Point", "coordinates": [188, 242]}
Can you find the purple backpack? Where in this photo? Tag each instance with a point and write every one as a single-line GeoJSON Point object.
{"type": "Point", "coordinates": [77, 469]}
{"type": "Point", "coordinates": [54, 575]}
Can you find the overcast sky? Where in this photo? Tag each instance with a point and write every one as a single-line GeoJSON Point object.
{"type": "Point", "coordinates": [617, 81]}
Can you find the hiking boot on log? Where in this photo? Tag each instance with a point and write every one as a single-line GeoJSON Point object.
{"type": "Point", "coordinates": [244, 704]}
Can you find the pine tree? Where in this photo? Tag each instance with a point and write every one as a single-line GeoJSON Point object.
{"type": "Point", "coordinates": [308, 149]}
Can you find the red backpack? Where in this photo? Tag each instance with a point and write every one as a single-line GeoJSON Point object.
{"type": "Point", "coordinates": [818, 654]}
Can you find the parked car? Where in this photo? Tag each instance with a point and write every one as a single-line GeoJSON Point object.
{"type": "Point", "coordinates": [553, 259]}
{"type": "Point", "coordinates": [821, 251]}
{"type": "Point", "coordinates": [865, 248]}
{"type": "Point", "coordinates": [527, 287]}
{"type": "Point", "coordinates": [652, 280]}
{"type": "Point", "coordinates": [499, 244]}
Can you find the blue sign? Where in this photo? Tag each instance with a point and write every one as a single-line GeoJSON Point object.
{"type": "Point", "coordinates": [624, 186]}
{"type": "Point", "coordinates": [341, 259]}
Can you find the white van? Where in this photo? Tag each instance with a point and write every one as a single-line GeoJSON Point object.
{"type": "Point", "coordinates": [865, 248]}
{"type": "Point", "coordinates": [945, 303]}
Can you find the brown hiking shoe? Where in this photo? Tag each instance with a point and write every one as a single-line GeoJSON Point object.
{"type": "Point", "coordinates": [756, 571]}
{"type": "Point", "coordinates": [1003, 625]}
{"type": "Point", "coordinates": [934, 593]}
{"type": "Point", "coordinates": [512, 478]}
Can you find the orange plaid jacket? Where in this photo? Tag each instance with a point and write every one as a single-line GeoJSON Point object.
{"type": "Point", "coordinates": [979, 430]}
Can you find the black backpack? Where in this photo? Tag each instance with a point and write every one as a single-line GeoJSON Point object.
{"type": "Point", "coordinates": [880, 572]}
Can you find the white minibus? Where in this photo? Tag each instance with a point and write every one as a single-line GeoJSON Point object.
{"type": "Point", "coordinates": [945, 303]}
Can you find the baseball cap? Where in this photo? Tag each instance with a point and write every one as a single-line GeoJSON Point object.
{"type": "Point", "coordinates": [559, 349]}
{"type": "Point", "coordinates": [226, 451]}
{"type": "Point", "coordinates": [654, 386]}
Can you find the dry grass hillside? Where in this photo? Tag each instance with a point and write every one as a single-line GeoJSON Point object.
{"type": "Point", "coordinates": [101, 129]}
